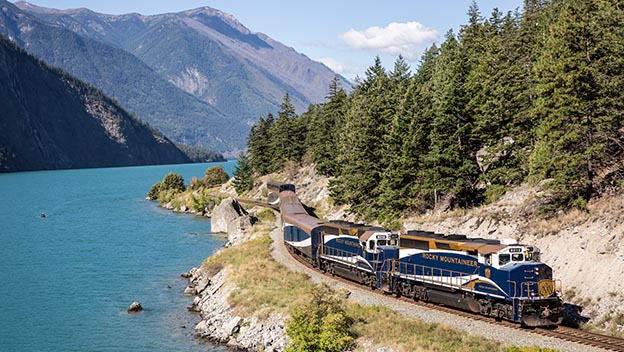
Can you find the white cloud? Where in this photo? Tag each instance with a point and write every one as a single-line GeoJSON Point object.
{"type": "Point", "coordinates": [396, 38]}
{"type": "Point", "coordinates": [347, 70]}
{"type": "Point", "coordinates": [332, 64]}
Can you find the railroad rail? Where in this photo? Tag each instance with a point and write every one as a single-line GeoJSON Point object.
{"type": "Point", "coordinates": [586, 338]}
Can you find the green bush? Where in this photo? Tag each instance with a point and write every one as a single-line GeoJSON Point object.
{"type": "Point", "coordinates": [198, 203]}
{"type": "Point", "coordinates": [173, 181]}
{"type": "Point", "coordinates": [215, 176]}
{"type": "Point", "coordinates": [154, 191]}
{"type": "Point", "coordinates": [320, 325]}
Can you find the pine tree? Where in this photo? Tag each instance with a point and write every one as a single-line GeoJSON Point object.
{"type": "Point", "coordinates": [366, 124]}
{"type": "Point", "coordinates": [575, 125]}
{"type": "Point", "coordinates": [243, 174]}
{"type": "Point", "coordinates": [450, 164]}
{"type": "Point", "coordinates": [408, 143]}
{"type": "Point", "coordinates": [259, 144]}
{"type": "Point", "coordinates": [287, 135]}
{"type": "Point", "coordinates": [324, 131]}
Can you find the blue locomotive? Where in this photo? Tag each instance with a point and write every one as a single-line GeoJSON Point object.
{"type": "Point", "coordinates": [502, 279]}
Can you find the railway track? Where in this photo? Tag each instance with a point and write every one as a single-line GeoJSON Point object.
{"type": "Point", "coordinates": [578, 336]}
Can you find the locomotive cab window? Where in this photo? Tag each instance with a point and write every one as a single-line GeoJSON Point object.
{"type": "Point", "coordinates": [503, 259]}
{"type": "Point", "coordinates": [381, 242]}
{"type": "Point", "coordinates": [371, 245]}
{"type": "Point", "coordinates": [517, 257]}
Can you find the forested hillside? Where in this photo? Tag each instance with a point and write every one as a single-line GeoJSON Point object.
{"type": "Point", "coordinates": [534, 96]}
{"type": "Point", "coordinates": [51, 120]}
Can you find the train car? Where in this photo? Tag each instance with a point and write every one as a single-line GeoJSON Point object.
{"type": "Point", "coordinates": [299, 227]}
{"type": "Point", "coordinates": [353, 251]}
{"type": "Point", "coordinates": [503, 279]}
{"type": "Point", "coordinates": [357, 252]}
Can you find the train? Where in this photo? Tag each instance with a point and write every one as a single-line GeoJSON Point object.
{"type": "Point", "coordinates": [497, 278]}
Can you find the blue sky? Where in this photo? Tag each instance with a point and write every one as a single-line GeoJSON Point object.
{"type": "Point", "coordinates": [344, 34]}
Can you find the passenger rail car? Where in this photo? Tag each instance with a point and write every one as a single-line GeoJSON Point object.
{"type": "Point", "coordinates": [502, 279]}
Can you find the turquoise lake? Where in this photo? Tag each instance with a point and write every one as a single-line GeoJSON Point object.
{"type": "Point", "coordinates": [67, 279]}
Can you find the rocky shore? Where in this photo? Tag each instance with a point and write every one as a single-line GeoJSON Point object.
{"type": "Point", "coordinates": [219, 320]}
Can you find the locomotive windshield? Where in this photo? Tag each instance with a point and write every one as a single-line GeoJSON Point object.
{"type": "Point", "coordinates": [518, 255]}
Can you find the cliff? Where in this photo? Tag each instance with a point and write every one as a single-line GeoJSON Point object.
{"type": "Point", "coordinates": [51, 120]}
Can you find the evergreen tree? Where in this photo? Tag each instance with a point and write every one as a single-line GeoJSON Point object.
{"type": "Point", "coordinates": [287, 136]}
{"type": "Point", "coordinates": [576, 123]}
{"type": "Point", "coordinates": [259, 144]}
{"type": "Point", "coordinates": [361, 157]}
{"type": "Point", "coordinates": [408, 142]}
{"type": "Point", "coordinates": [243, 174]}
{"type": "Point", "coordinates": [450, 164]}
{"type": "Point", "coordinates": [324, 131]}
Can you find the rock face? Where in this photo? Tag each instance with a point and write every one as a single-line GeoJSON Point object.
{"type": "Point", "coordinates": [135, 307]}
{"type": "Point", "coordinates": [230, 217]}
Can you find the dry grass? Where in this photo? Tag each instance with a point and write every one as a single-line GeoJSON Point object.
{"type": "Point", "coordinates": [263, 285]}
{"type": "Point", "coordinates": [381, 327]}
{"type": "Point", "coordinates": [552, 226]}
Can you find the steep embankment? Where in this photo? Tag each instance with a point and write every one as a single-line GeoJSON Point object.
{"type": "Point", "coordinates": [51, 120]}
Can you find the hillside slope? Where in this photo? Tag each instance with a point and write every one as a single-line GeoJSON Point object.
{"type": "Point", "coordinates": [122, 76]}
{"type": "Point", "coordinates": [209, 54]}
{"type": "Point", "coordinates": [51, 120]}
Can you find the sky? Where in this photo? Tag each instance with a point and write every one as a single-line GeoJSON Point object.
{"type": "Point", "coordinates": [345, 35]}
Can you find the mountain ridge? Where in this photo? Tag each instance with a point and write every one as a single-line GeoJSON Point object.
{"type": "Point", "coordinates": [122, 76]}
{"type": "Point", "coordinates": [210, 54]}
{"type": "Point", "coordinates": [52, 120]}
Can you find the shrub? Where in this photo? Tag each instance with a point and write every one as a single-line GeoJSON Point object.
{"type": "Point", "coordinates": [215, 176]}
{"type": "Point", "coordinates": [173, 181]}
{"type": "Point", "coordinates": [198, 203]}
{"type": "Point", "coordinates": [322, 324]}
{"type": "Point", "coordinates": [154, 191]}
{"type": "Point", "coordinates": [495, 192]}
{"type": "Point", "coordinates": [266, 215]}
{"type": "Point", "coordinates": [197, 183]}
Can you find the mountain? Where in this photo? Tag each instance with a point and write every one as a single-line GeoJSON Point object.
{"type": "Point", "coordinates": [209, 54]}
{"type": "Point", "coordinates": [51, 120]}
{"type": "Point", "coordinates": [124, 77]}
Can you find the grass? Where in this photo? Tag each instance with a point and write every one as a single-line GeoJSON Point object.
{"type": "Point", "coordinates": [263, 285]}
{"type": "Point", "coordinates": [382, 327]}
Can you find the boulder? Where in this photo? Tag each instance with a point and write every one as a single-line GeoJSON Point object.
{"type": "Point", "coordinates": [135, 307]}
{"type": "Point", "coordinates": [224, 213]}
{"type": "Point", "coordinates": [232, 327]}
